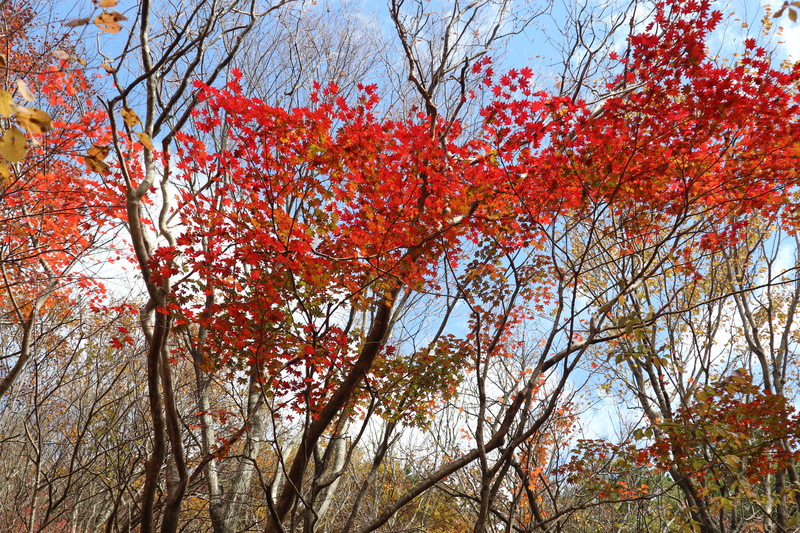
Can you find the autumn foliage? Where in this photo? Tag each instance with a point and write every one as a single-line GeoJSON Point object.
{"type": "Point", "coordinates": [51, 210]}
{"type": "Point", "coordinates": [313, 210]}
{"type": "Point", "coordinates": [321, 268]}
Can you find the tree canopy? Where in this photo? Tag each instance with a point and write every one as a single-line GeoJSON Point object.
{"type": "Point", "coordinates": [388, 296]}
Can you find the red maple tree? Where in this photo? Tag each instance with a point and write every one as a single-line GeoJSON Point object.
{"type": "Point", "coordinates": [51, 211]}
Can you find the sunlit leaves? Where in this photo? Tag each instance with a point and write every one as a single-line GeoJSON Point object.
{"type": "Point", "coordinates": [6, 103]}
{"type": "Point", "coordinates": [311, 213]}
{"type": "Point", "coordinates": [736, 424]}
{"type": "Point", "coordinates": [13, 145]}
{"type": "Point", "coordinates": [33, 120]}
{"type": "Point", "coordinates": [320, 210]}
{"type": "Point", "coordinates": [130, 117]}
{"type": "Point", "coordinates": [24, 92]}
{"type": "Point", "coordinates": [109, 22]}
{"type": "Point", "coordinates": [145, 140]}
{"type": "Point", "coordinates": [95, 159]}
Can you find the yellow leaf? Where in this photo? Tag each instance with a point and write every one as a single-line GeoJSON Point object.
{"type": "Point", "coordinates": [109, 22]}
{"type": "Point", "coordinates": [145, 140]}
{"type": "Point", "coordinates": [6, 103]}
{"type": "Point", "coordinates": [97, 166]}
{"type": "Point", "coordinates": [732, 460]}
{"type": "Point", "coordinates": [4, 173]}
{"type": "Point", "coordinates": [793, 15]}
{"type": "Point", "coordinates": [33, 120]}
{"type": "Point", "coordinates": [13, 145]}
{"type": "Point", "coordinates": [130, 117]}
{"type": "Point", "coordinates": [108, 3]}
{"type": "Point", "coordinates": [108, 68]}
{"type": "Point", "coordinates": [94, 158]}
{"type": "Point", "coordinates": [26, 93]}
{"type": "Point", "coordinates": [99, 151]}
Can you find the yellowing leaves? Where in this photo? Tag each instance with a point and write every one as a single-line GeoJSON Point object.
{"type": "Point", "coordinates": [94, 158]}
{"type": "Point", "coordinates": [145, 140]}
{"type": "Point", "coordinates": [33, 120]}
{"type": "Point", "coordinates": [24, 92]}
{"type": "Point", "coordinates": [13, 145]}
{"type": "Point", "coordinates": [109, 21]}
{"type": "Point", "coordinates": [732, 461]}
{"type": "Point", "coordinates": [130, 117]}
{"type": "Point", "coordinates": [6, 104]}
{"type": "Point", "coordinates": [99, 151]}
{"type": "Point", "coordinates": [107, 3]}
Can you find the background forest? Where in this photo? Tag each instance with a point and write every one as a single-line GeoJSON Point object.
{"type": "Point", "coordinates": [430, 265]}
